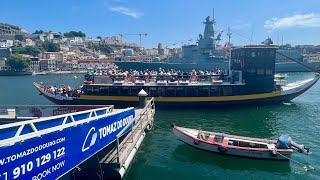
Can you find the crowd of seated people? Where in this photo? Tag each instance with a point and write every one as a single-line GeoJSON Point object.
{"type": "Point", "coordinates": [161, 74]}
{"type": "Point", "coordinates": [63, 90]}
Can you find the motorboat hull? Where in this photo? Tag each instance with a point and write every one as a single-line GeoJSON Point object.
{"type": "Point", "coordinates": [255, 153]}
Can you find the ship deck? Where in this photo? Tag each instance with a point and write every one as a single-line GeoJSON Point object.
{"type": "Point", "coordinates": [152, 83]}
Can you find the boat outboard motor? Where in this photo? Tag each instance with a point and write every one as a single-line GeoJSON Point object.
{"type": "Point", "coordinates": [285, 142]}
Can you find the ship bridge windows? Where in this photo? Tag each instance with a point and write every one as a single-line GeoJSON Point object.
{"type": "Point", "coordinates": [248, 54]}
{"type": "Point", "coordinates": [242, 53]}
{"type": "Point", "coordinates": [260, 71]}
{"type": "Point", "coordinates": [253, 54]}
{"type": "Point", "coordinates": [251, 70]}
{"type": "Point", "coordinates": [259, 53]}
{"type": "Point", "coordinates": [269, 71]}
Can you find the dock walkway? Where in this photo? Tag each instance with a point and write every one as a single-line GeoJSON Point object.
{"type": "Point", "coordinates": [120, 157]}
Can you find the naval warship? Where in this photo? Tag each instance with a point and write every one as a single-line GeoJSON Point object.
{"type": "Point", "coordinates": [206, 55]}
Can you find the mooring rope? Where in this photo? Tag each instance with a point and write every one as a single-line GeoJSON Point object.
{"type": "Point", "coordinates": [292, 59]}
{"type": "Point", "coordinates": [305, 166]}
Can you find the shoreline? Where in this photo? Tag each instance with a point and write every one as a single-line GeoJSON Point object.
{"type": "Point", "coordinates": [59, 72]}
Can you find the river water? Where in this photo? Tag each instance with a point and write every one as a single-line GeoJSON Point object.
{"type": "Point", "coordinates": [162, 156]}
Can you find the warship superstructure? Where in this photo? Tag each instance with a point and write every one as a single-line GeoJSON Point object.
{"type": "Point", "coordinates": [206, 54]}
{"type": "Point", "coordinates": [205, 51]}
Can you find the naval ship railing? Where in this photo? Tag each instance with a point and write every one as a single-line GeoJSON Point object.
{"type": "Point", "coordinates": [20, 131]}
{"type": "Point", "coordinates": [145, 115]}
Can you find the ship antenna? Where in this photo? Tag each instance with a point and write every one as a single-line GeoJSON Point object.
{"type": "Point", "coordinates": [229, 35]}
{"type": "Point", "coordinates": [213, 14]}
{"type": "Point", "coordinates": [229, 50]}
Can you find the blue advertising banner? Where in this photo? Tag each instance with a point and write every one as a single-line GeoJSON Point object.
{"type": "Point", "coordinates": [52, 155]}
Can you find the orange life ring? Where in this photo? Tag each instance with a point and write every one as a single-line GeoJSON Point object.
{"type": "Point", "coordinates": [242, 63]}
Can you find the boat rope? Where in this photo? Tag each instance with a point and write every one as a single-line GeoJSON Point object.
{"type": "Point", "coordinates": [308, 67]}
{"type": "Point", "coordinates": [305, 166]}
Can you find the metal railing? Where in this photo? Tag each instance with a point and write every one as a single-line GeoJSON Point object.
{"type": "Point", "coordinates": [148, 110]}
{"type": "Point", "coordinates": [182, 77]}
{"type": "Point", "coordinates": [4, 109]}
{"type": "Point", "coordinates": [66, 120]}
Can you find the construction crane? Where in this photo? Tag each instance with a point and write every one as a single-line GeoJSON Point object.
{"type": "Point", "coordinates": [140, 34]}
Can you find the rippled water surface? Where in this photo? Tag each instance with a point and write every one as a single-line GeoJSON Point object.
{"type": "Point", "coordinates": [162, 156]}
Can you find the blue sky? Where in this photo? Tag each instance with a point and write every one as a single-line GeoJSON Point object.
{"type": "Point", "coordinates": [171, 21]}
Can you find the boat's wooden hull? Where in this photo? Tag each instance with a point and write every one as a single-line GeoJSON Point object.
{"type": "Point", "coordinates": [225, 150]}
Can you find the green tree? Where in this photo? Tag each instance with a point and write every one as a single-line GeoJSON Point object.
{"type": "Point", "coordinates": [17, 49]}
{"type": "Point", "coordinates": [18, 63]}
{"type": "Point", "coordinates": [74, 34]}
{"type": "Point", "coordinates": [50, 46]}
{"type": "Point", "coordinates": [38, 32]}
{"type": "Point", "coordinates": [99, 37]}
{"type": "Point", "coordinates": [33, 50]}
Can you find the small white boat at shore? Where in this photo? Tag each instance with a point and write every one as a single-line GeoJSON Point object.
{"type": "Point", "coordinates": [232, 145]}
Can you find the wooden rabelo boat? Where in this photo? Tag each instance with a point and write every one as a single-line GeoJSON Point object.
{"type": "Point", "coordinates": [248, 147]}
{"type": "Point", "coordinates": [249, 80]}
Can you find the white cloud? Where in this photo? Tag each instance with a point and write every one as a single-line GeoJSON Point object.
{"type": "Point", "coordinates": [298, 20]}
{"type": "Point", "coordinates": [126, 11]}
